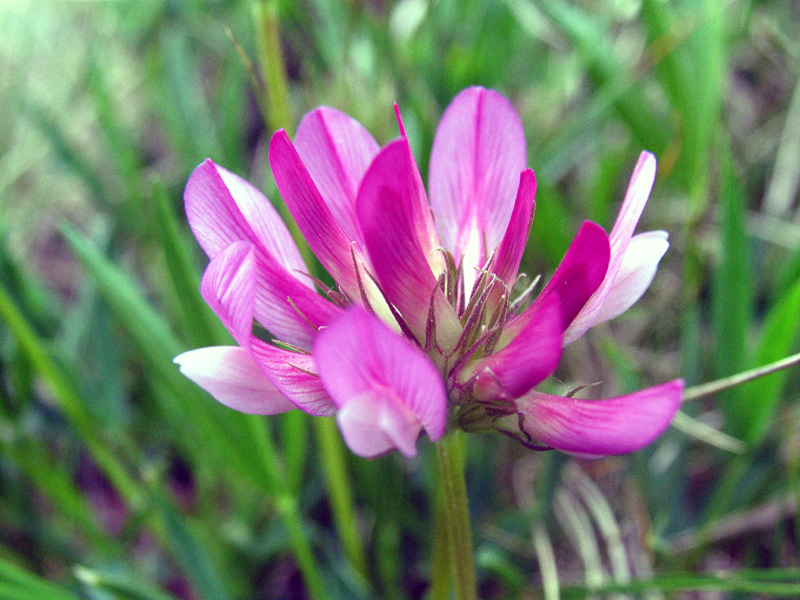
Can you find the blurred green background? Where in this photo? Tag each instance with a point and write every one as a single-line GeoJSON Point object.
{"type": "Point", "coordinates": [121, 480]}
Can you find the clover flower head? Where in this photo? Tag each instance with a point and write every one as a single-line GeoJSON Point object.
{"type": "Point", "coordinates": [422, 330]}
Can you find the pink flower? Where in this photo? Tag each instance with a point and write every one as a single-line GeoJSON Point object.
{"type": "Point", "coordinates": [420, 330]}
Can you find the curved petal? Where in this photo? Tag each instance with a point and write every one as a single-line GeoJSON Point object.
{"type": "Point", "coordinates": [370, 428]}
{"type": "Point", "coordinates": [505, 263]}
{"type": "Point", "coordinates": [577, 277]}
{"type": "Point", "coordinates": [336, 150]}
{"type": "Point", "coordinates": [477, 155]}
{"type": "Point", "coordinates": [323, 233]}
{"type": "Point", "coordinates": [527, 360]}
{"type": "Point", "coordinates": [644, 175]}
{"type": "Point", "coordinates": [394, 218]}
{"type": "Point", "coordinates": [223, 208]}
{"type": "Point", "coordinates": [393, 386]}
{"type": "Point", "coordinates": [233, 378]}
{"type": "Point", "coordinates": [241, 283]}
{"type": "Point", "coordinates": [601, 427]}
{"type": "Point", "coordinates": [636, 273]}
{"type": "Point", "coordinates": [229, 288]}
{"type": "Point", "coordinates": [295, 375]}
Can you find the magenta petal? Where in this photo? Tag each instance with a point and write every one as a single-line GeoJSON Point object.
{"type": "Point", "coordinates": [359, 359]}
{"type": "Point", "coordinates": [527, 360]}
{"type": "Point", "coordinates": [601, 427]}
{"type": "Point", "coordinates": [509, 253]}
{"type": "Point", "coordinates": [644, 175]}
{"type": "Point", "coordinates": [240, 283]}
{"type": "Point", "coordinates": [337, 150]}
{"type": "Point", "coordinates": [295, 375]}
{"type": "Point", "coordinates": [401, 243]}
{"type": "Point", "coordinates": [228, 286]}
{"type": "Point", "coordinates": [477, 155]}
{"type": "Point", "coordinates": [323, 233]}
{"type": "Point", "coordinates": [223, 208]}
{"type": "Point", "coordinates": [577, 277]}
{"type": "Point", "coordinates": [233, 378]}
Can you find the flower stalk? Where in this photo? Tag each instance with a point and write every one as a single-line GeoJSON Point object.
{"type": "Point", "coordinates": [454, 511]}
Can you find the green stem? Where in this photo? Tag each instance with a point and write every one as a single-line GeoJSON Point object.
{"type": "Point", "coordinates": [267, 26]}
{"type": "Point", "coordinates": [341, 497]}
{"type": "Point", "coordinates": [455, 514]}
{"type": "Point", "coordinates": [286, 505]}
{"type": "Point", "coordinates": [719, 385]}
{"type": "Point", "coordinates": [268, 37]}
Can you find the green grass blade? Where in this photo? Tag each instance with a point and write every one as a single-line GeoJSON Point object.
{"type": "Point", "coordinates": [753, 411]}
{"type": "Point", "coordinates": [17, 583]}
{"type": "Point", "coordinates": [732, 290]}
{"type": "Point", "coordinates": [68, 397]}
{"type": "Point", "coordinates": [192, 414]}
{"type": "Point", "coordinates": [122, 587]}
{"type": "Point", "coordinates": [592, 42]}
{"type": "Point", "coordinates": [189, 551]}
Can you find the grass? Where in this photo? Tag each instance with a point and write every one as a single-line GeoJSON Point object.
{"type": "Point", "coordinates": [119, 479]}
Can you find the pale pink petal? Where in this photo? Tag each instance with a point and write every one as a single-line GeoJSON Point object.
{"type": "Point", "coordinates": [601, 427]}
{"type": "Point", "coordinates": [644, 175]}
{"type": "Point", "coordinates": [324, 234]}
{"type": "Point", "coordinates": [392, 210]}
{"type": "Point", "coordinates": [241, 283]}
{"type": "Point", "coordinates": [531, 357]}
{"type": "Point", "coordinates": [635, 274]}
{"type": "Point", "coordinates": [359, 359]}
{"type": "Point", "coordinates": [369, 429]}
{"type": "Point", "coordinates": [223, 208]}
{"type": "Point", "coordinates": [233, 378]}
{"type": "Point", "coordinates": [336, 150]}
{"type": "Point", "coordinates": [477, 155]}
{"type": "Point", "coordinates": [509, 253]}
{"type": "Point", "coordinates": [577, 277]}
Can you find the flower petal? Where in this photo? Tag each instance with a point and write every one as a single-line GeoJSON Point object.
{"type": "Point", "coordinates": [336, 150]}
{"type": "Point", "coordinates": [577, 277]}
{"type": "Point", "coordinates": [360, 360]}
{"type": "Point", "coordinates": [635, 274]}
{"type": "Point", "coordinates": [527, 360]}
{"type": "Point", "coordinates": [509, 253]}
{"type": "Point", "coordinates": [241, 283]}
{"type": "Point", "coordinates": [370, 428]}
{"type": "Point", "coordinates": [644, 175]}
{"type": "Point", "coordinates": [601, 427]}
{"type": "Point", "coordinates": [324, 234]}
{"type": "Point", "coordinates": [295, 375]}
{"type": "Point", "coordinates": [223, 208]}
{"type": "Point", "coordinates": [232, 377]}
{"type": "Point", "coordinates": [401, 244]}
{"type": "Point", "coordinates": [477, 155]}
{"type": "Point", "coordinates": [229, 288]}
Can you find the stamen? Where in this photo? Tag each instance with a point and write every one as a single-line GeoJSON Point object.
{"type": "Point", "coordinates": [430, 325]}
{"type": "Point", "coordinates": [323, 287]}
{"type": "Point", "coordinates": [299, 312]}
{"type": "Point", "coordinates": [302, 370]}
{"type": "Point", "coordinates": [361, 289]}
{"type": "Point", "coordinates": [401, 322]}
{"type": "Point", "coordinates": [574, 391]}
{"type": "Point", "coordinates": [477, 289]}
{"type": "Point", "coordinates": [288, 346]}
{"type": "Point", "coordinates": [525, 294]}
